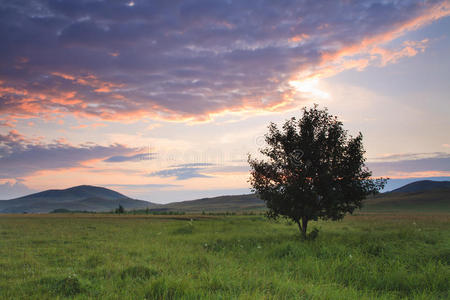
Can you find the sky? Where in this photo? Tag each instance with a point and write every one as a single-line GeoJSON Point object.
{"type": "Point", "coordinates": [164, 100]}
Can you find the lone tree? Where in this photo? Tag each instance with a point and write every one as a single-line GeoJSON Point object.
{"type": "Point", "coordinates": [313, 170]}
{"type": "Point", "coordinates": [120, 209]}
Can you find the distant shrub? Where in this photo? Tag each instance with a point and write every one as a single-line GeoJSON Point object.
{"type": "Point", "coordinates": [164, 212]}
{"type": "Point", "coordinates": [139, 272]}
{"type": "Point", "coordinates": [60, 211]}
{"type": "Point", "coordinates": [120, 209]}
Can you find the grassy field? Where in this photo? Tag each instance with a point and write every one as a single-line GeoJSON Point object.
{"type": "Point", "coordinates": [223, 257]}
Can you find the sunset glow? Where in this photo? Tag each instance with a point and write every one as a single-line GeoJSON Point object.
{"type": "Point", "coordinates": [163, 101]}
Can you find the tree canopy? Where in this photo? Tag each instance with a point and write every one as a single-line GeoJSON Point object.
{"type": "Point", "coordinates": [312, 169]}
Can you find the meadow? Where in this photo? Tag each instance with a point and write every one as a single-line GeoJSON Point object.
{"type": "Point", "coordinates": [367, 256]}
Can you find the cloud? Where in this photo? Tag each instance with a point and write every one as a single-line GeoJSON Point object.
{"type": "Point", "coordinates": [189, 165]}
{"type": "Point", "coordinates": [135, 157]}
{"type": "Point", "coordinates": [408, 156]}
{"type": "Point", "coordinates": [190, 60]}
{"type": "Point", "coordinates": [181, 173]}
{"type": "Point", "coordinates": [412, 165]}
{"type": "Point", "coordinates": [202, 170]}
{"type": "Point", "coordinates": [21, 156]}
{"type": "Point", "coordinates": [9, 190]}
{"type": "Point", "coordinates": [230, 169]}
{"type": "Point", "coordinates": [144, 186]}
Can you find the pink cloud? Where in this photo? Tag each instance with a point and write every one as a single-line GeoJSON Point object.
{"type": "Point", "coordinates": [209, 64]}
{"type": "Point", "coordinates": [22, 156]}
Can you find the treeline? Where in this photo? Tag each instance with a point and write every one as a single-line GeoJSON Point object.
{"type": "Point", "coordinates": [148, 211]}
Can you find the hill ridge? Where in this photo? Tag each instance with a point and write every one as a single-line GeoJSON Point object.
{"type": "Point", "coordinates": [81, 197]}
{"type": "Point", "coordinates": [422, 186]}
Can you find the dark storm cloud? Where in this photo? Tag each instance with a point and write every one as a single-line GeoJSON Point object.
{"type": "Point", "coordinates": [20, 156]}
{"type": "Point", "coordinates": [179, 59]}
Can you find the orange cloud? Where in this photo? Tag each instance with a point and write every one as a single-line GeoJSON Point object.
{"type": "Point", "coordinates": [94, 125]}
{"type": "Point", "coordinates": [108, 101]}
{"type": "Point", "coordinates": [410, 48]}
{"type": "Point", "coordinates": [299, 37]}
{"type": "Point", "coordinates": [333, 62]}
{"type": "Point", "coordinates": [90, 80]}
{"type": "Point", "coordinates": [404, 175]}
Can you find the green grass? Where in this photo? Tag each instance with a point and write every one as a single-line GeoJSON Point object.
{"type": "Point", "coordinates": [230, 257]}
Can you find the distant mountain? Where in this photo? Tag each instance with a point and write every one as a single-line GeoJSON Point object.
{"type": "Point", "coordinates": [422, 186]}
{"type": "Point", "coordinates": [215, 204]}
{"type": "Point", "coordinates": [78, 198]}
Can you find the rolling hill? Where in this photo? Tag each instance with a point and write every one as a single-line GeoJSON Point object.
{"type": "Point", "coordinates": [423, 186]}
{"type": "Point", "coordinates": [215, 204]}
{"type": "Point", "coordinates": [417, 196]}
{"type": "Point", "coordinates": [79, 198]}
{"type": "Point", "coordinates": [424, 195]}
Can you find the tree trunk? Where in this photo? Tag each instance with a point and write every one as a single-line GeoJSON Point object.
{"type": "Point", "coordinates": [303, 226]}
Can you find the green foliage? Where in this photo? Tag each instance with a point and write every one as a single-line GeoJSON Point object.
{"type": "Point", "coordinates": [313, 170]}
{"type": "Point", "coordinates": [224, 257]}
